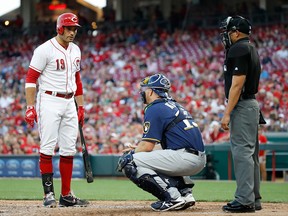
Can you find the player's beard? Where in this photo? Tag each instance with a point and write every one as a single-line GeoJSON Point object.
{"type": "Point", "coordinates": [70, 38]}
{"type": "Point", "coordinates": [143, 97]}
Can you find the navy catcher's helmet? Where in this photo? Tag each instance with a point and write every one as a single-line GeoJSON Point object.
{"type": "Point", "coordinates": [159, 83]}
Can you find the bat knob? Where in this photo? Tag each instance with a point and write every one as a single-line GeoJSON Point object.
{"type": "Point", "coordinates": [89, 177]}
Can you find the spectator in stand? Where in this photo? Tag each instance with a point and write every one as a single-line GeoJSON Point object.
{"type": "Point", "coordinates": [105, 149]}
{"type": "Point", "coordinates": [282, 123]}
{"type": "Point", "coordinates": [266, 59]}
{"type": "Point", "coordinates": [262, 153]}
{"type": "Point", "coordinates": [217, 135]}
{"type": "Point", "coordinates": [282, 52]}
{"type": "Point", "coordinates": [28, 143]}
{"type": "Point", "coordinates": [3, 147]}
{"type": "Point", "coordinates": [18, 22]}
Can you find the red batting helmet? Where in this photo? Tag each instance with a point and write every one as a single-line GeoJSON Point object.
{"type": "Point", "coordinates": [66, 19]}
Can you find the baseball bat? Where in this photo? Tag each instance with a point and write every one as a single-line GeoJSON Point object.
{"type": "Point", "coordinates": [87, 165]}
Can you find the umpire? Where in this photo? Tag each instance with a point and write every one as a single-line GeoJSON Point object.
{"type": "Point", "coordinates": [241, 116]}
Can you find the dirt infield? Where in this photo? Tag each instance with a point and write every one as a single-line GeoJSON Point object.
{"type": "Point", "coordinates": [127, 208]}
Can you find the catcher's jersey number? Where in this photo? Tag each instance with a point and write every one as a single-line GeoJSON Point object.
{"type": "Point", "coordinates": [188, 122]}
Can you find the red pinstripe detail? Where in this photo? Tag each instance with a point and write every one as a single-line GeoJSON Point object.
{"type": "Point", "coordinates": [71, 64]}
{"type": "Point", "coordinates": [39, 117]}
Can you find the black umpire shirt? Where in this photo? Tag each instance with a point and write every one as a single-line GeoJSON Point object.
{"type": "Point", "coordinates": [242, 59]}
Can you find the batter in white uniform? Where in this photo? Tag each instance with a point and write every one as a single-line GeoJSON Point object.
{"type": "Point", "coordinates": [56, 66]}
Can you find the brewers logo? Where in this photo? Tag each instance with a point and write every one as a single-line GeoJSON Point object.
{"type": "Point", "coordinates": [146, 127]}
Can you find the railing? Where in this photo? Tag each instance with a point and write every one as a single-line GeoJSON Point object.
{"type": "Point", "coordinates": [105, 165]}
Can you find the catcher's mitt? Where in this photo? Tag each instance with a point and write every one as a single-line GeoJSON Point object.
{"type": "Point", "coordinates": [126, 158]}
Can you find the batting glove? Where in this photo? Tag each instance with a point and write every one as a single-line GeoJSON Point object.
{"type": "Point", "coordinates": [30, 115]}
{"type": "Point", "coordinates": [81, 112]}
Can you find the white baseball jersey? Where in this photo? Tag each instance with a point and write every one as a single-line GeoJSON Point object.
{"type": "Point", "coordinates": [57, 66]}
{"type": "Point", "coordinates": [57, 117]}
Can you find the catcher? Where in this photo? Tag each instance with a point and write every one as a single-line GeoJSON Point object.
{"type": "Point", "coordinates": [164, 172]}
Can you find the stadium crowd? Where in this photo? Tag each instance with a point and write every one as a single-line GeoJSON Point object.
{"type": "Point", "coordinates": [114, 62]}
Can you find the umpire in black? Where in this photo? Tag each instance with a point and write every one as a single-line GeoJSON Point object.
{"type": "Point", "coordinates": [241, 116]}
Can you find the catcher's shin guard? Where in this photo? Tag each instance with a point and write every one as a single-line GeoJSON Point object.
{"type": "Point", "coordinates": [47, 182]}
{"type": "Point", "coordinates": [146, 182]}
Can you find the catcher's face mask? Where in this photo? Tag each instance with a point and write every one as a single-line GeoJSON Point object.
{"type": "Point", "coordinates": [225, 35]}
{"type": "Point", "coordinates": [144, 82]}
{"type": "Point", "coordinates": [231, 25]}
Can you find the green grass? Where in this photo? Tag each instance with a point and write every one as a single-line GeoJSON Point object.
{"type": "Point", "coordinates": [123, 189]}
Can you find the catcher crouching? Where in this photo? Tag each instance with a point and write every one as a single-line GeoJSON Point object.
{"type": "Point", "coordinates": [165, 171]}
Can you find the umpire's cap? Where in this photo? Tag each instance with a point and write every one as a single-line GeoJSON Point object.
{"type": "Point", "coordinates": [233, 23]}
{"type": "Point", "coordinates": [159, 83]}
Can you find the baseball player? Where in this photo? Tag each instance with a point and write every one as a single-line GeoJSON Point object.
{"type": "Point", "coordinates": [160, 172]}
{"type": "Point", "coordinates": [56, 66]}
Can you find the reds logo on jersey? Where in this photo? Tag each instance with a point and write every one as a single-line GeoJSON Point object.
{"type": "Point", "coordinates": [77, 63]}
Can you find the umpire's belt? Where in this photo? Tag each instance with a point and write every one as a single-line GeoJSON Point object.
{"type": "Point", "coordinates": [246, 97]}
{"type": "Point", "coordinates": [193, 151]}
{"type": "Point", "coordinates": [57, 94]}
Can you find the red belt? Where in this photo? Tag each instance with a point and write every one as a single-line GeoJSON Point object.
{"type": "Point", "coordinates": [66, 96]}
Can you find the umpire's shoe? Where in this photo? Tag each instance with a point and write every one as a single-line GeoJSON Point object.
{"type": "Point", "coordinates": [258, 205]}
{"type": "Point", "coordinates": [167, 205]}
{"type": "Point", "coordinates": [71, 200]}
{"type": "Point", "coordinates": [49, 200]}
{"type": "Point", "coordinates": [236, 207]}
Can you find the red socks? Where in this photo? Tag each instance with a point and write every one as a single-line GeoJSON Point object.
{"type": "Point", "coordinates": [45, 164]}
{"type": "Point", "coordinates": [65, 168]}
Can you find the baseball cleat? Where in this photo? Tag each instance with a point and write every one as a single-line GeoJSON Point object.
{"type": "Point", "coordinates": [71, 200]}
{"type": "Point", "coordinates": [167, 205]}
{"type": "Point", "coordinates": [189, 201]}
{"type": "Point", "coordinates": [49, 200]}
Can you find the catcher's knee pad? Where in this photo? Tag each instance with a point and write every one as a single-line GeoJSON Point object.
{"type": "Point", "coordinates": [124, 160]}
{"type": "Point", "coordinates": [130, 170]}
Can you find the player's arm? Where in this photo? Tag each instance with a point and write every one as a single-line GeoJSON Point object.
{"type": "Point", "coordinates": [79, 91]}
{"type": "Point", "coordinates": [234, 94]}
{"type": "Point", "coordinates": [145, 146]}
{"type": "Point", "coordinates": [30, 91]}
{"type": "Point", "coordinates": [79, 99]}
{"type": "Point", "coordinates": [30, 86]}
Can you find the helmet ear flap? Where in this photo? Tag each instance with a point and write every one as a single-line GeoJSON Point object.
{"type": "Point", "coordinates": [60, 30]}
